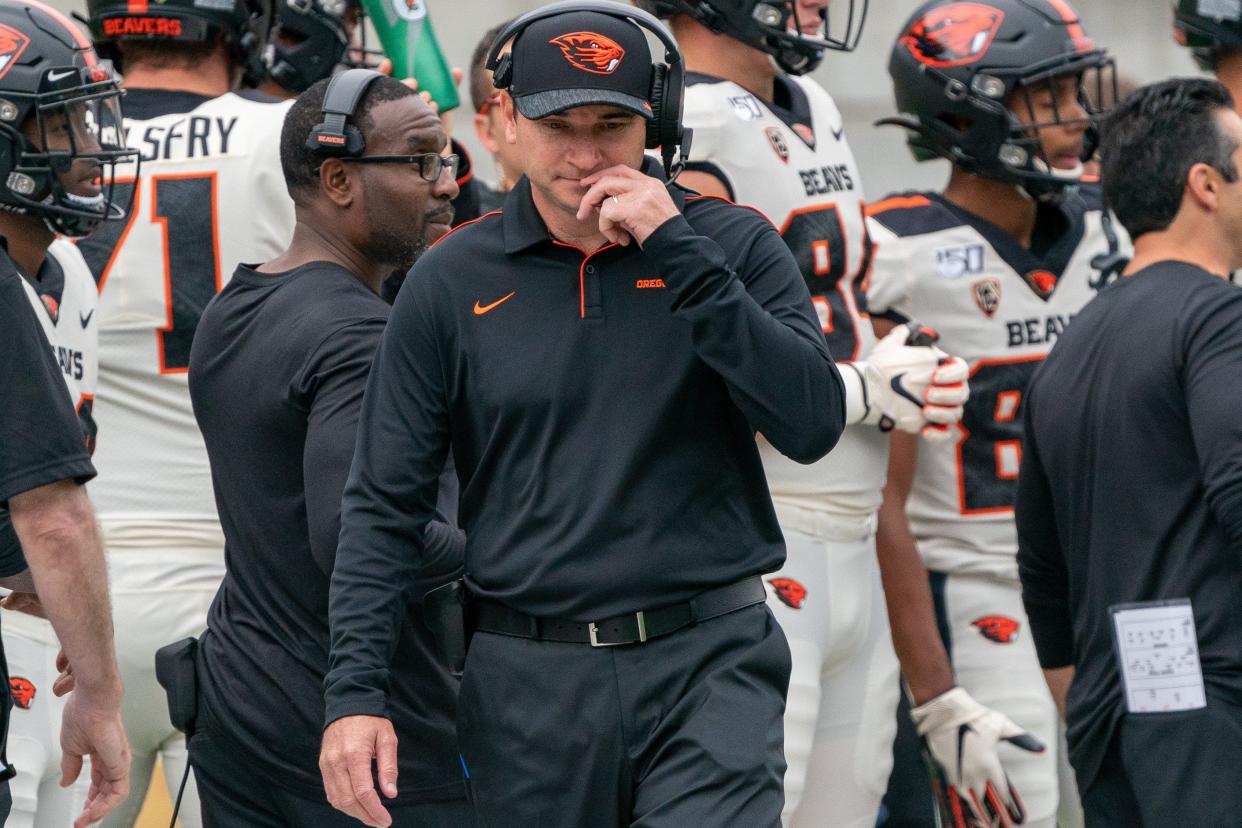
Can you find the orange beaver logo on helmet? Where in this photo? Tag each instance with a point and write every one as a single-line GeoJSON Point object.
{"type": "Point", "coordinates": [590, 52]}
{"type": "Point", "coordinates": [789, 592]}
{"type": "Point", "coordinates": [954, 35]}
{"type": "Point", "coordinates": [999, 628]}
{"type": "Point", "coordinates": [12, 44]}
{"type": "Point", "coordinates": [22, 691]}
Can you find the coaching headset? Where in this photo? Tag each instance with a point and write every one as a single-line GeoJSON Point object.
{"type": "Point", "coordinates": [335, 136]}
{"type": "Point", "coordinates": [668, 79]}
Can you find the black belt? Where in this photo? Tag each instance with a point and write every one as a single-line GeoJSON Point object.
{"type": "Point", "coordinates": [631, 628]}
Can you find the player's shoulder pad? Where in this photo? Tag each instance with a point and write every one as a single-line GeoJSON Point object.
{"type": "Point", "coordinates": [67, 255]}
{"type": "Point", "coordinates": [912, 213]}
{"type": "Point", "coordinates": [255, 96]}
{"type": "Point", "coordinates": [706, 109]}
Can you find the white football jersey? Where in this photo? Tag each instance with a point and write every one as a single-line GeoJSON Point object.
{"type": "Point", "coordinates": [1000, 307]}
{"type": "Point", "coordinates": [211, 195]}
{"type": "Point", "coordinates": [65, 302]}
{"type": "Point", "coordinates": [789, 159]}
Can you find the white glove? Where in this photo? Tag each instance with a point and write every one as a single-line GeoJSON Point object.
{"type": "Point", "coordinates": [910, 384]}
{"type": "Point", "coordinates": [959, 741]}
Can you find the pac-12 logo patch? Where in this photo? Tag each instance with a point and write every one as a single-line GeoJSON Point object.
{"type": "Point", "coordinates": [999, 628]}
{"type": "Point", "coordinates": [789, 592]}
{"type": "Point", "coordinates": [954, 35]}
{"type": "Point", "coordinates": [778, 143]}
{"type": "Point", "coordinates": [22, 690]}
{"type": "Point", "coordinates": [987, 295]}
{"type": "Point", "coordinates": [12, 44]}
{"type": "Point", "coordinates": [590, 52]}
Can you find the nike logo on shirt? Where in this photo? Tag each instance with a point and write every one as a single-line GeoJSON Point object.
{"type": "Point", "coordinates": [479, 310]}
{"type": "Point", "coordinates": [86, 320]}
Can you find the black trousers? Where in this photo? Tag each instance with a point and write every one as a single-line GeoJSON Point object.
{"type": "Point", "coordinates": [233, 797]}
{"type": "Point", "coordinates": [684, 730]}
{"type": "Point", "coordinates": [1165, 769]}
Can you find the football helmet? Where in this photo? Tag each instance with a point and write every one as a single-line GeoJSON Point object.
{"type": "Point", "coordinates": [243, 24]}
{"type": "Point", "coordinates": [773, 26]}
{"type": "Point", "coordinates": [1206, 29]}
{"type": "Point", "coordinates": [60, 122]}
{"type": "Point", "coordinates": [956, 65]}
{"type": "Point", "coordinates": [310, 38]}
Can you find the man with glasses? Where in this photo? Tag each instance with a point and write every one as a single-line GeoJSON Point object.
{"type": "Point", "coordinates": [277, 373]}
{"type": "Point", "coordinates": [489, 125]}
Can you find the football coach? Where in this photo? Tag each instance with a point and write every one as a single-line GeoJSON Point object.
{"type": "Point", "coordinates": [599, 354]}
{"type": "Point", "coordinates": [277, 372]}
{"type": "Point", "coordinates": [1129, 505]}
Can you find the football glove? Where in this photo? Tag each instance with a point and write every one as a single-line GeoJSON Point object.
{"type": "Point", "coordinates": [959, 745]}
{"type": "Point", "coordinates": [910, 384]}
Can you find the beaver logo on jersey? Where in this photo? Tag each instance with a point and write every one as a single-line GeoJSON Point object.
{"type": "Point", "coordinates": [590, 52]}
{"type": "Point", "coordinates": [1042, 282]}
{"type": "Point", "coordinates": [53, 307]}
{"type": "Point", "coordinates": [789, 592]}
{"type": "Point", "coordinates": [778, 143]}
{"type": "Point", "coordinates": [954, 35]}
{"type": "Point", "coordinates": [999, 628]}
{"type": "Point", "coordinates": [23, 692]}
{"type": "Point", "coordinates": [987, 296]}
{"type": "Point", "coordinates": [12, 44]}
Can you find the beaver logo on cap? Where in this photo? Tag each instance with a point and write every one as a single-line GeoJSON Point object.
{"type": "Point", "coordinates": [590, 52]}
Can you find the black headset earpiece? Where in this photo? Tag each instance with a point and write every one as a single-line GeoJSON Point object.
{"type": "Point", "coordinates": [335, 136]}
{"type": "Point", "coordinates": [667, 80]}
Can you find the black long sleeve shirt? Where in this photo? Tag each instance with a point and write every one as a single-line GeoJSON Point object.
{"type": "Point", "coordinates": [277, 373]}
{"type": "Point", "coordinates": [602, 410]}
{"type": "Point", "coordinates": [1131, 485]}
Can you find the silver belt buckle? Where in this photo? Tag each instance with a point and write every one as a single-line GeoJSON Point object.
{"type": "Point", "coordinates": [642, 632]}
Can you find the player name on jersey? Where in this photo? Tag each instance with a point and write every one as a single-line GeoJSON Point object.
{"type": "Point", "coordinates": [194, 136]}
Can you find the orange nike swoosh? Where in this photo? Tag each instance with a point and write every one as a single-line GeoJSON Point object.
{"type": "Point", "coordinates": [479, 310]}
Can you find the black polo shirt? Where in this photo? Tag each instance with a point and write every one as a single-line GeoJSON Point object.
{"type": "Point", "coordinates": [602, 409]}
{"type": "Point", "coordinates": [1131, 486]}
{"type": "Point", "coordinates": [277, 372]}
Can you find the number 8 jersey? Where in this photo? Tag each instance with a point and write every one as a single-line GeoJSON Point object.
{"type": "Point", "coordinates": [211, 194]}
{"type": "Point", "coordinates": [1000, 307]}
{"type": "Point", "coordinates": [789, 159]}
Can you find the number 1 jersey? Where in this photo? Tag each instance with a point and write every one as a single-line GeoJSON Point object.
{"type": "Point", "coordinates": [789, 159]}
{"type": "Point", "coordinates": [1000, 307]}
{"type": "Point", "coordinates": [211, 194]}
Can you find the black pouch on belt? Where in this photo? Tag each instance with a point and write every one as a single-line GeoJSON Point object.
{"type": "Point", "coordinates": [444, 610]}
{"type": "Point", "coordinates": [176, 673]}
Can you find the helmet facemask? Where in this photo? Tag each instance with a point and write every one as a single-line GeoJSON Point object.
{"type": "Point", "coordinates": [64, 157]}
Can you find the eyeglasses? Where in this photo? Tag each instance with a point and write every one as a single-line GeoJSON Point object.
{"type": "Point", "coordinates": [431, 165]}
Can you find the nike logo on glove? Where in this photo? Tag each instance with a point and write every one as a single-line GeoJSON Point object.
{"type": "Point", "coordinates": [86, 320]}
{"type": "Point", "coordinates": [479, 310]}
{"type": "Point", "coordinates": [900, 390]}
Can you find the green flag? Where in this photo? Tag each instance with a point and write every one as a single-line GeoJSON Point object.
{"type": "Point", "coordinates": [405, 32]}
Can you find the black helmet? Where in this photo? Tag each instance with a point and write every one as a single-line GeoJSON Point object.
{"type": "Point", "coordinates": [766, 25]}
{"type": "Point", "coordinates": [309, 40]}
{"type": "Point", "coordinates": [242, 23]}
{"type": "Point", "coordinates": [1207, 28]}
{"type": "Point", "coordinates": [54, 87]}
{"type": "Point", "coordinates": [955, 66]}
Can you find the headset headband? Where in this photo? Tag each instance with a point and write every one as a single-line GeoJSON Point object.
{"type": "Point", "coordinates": [668, 85]}
{"type": "Point", "coordinates": [672, 54]}
{"type": "Point", "coordinates": [335, 136]}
